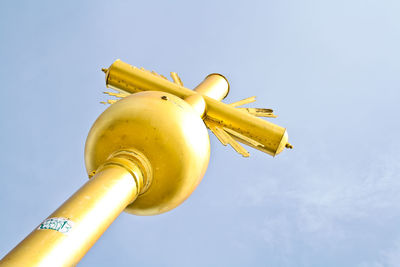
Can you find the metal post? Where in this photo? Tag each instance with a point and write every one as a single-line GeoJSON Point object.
{"type": "Point", "coordinates": [65, 237]}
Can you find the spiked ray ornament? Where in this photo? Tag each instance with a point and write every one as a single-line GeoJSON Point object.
{"type": "Point", "coordinates": [214, 88]}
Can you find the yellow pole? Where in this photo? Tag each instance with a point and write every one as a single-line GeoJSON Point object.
{"type": "Point", "coordinates": [65, 237]}
{"type": "Point", "coordinates": [166, 122]}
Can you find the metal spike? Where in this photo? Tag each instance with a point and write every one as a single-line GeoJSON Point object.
{"type": "Point", "coordinates": [243, 138]}
{"type": "Point", "coordinates": [155, 73]}
{"type": "Point", "coordinates": [218, 132]}
{"type": "Point", "coordinates": [260, 112]}
{"type": "Point", "coordinates": [241, 150]}
{"type": "Point", "coordinates": [159, 75]}
{"type": "Point", "coordinates": [162, 76]}
{"type": "Point", "coordinates": [120, 95]}
{"type": "Point", "coordinates": [225, 138]}
{"type": "Point", "coordinates": [125, 92]}
{"type": "Point", "coordinates": [109, 101]}
{"type": "Point", "coordinates": [243, 102]}
{"type": "Point", "coordinates": [176, 78]}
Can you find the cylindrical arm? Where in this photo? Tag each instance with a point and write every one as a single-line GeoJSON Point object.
{"type": "Point", "coordinates": [65, 237]}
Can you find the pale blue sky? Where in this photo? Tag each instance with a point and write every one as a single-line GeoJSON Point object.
{"type": "Point", "coordinates": [329, 69]}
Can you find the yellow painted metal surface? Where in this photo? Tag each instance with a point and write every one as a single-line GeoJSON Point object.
{"type": "Point", "coordinates": [215, 86]}
{"type": "Point", "coordinates": [266, 136]}
{"type": "Point", "coordinates": [168, 131]}
{"type": "Point", "coordinates": [89, 212]}
{"type": "Point", "coordinates": [198, 104]}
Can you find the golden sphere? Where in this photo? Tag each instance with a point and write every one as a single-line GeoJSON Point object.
{"type": "Point", "coordinates": [168, 131]}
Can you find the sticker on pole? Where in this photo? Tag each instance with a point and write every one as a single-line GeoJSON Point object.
{"type": "Point", "coordinates": [61, 225]}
